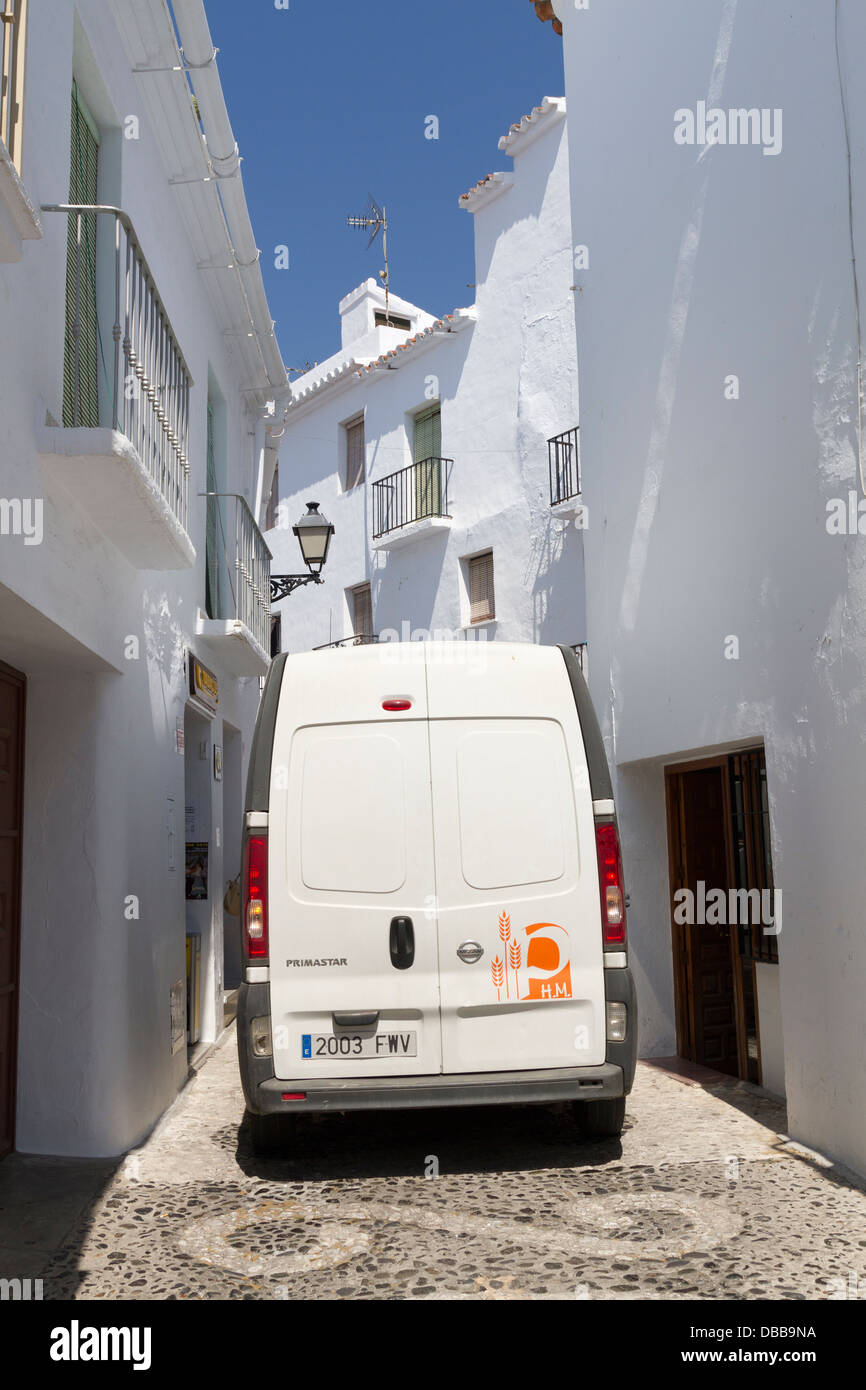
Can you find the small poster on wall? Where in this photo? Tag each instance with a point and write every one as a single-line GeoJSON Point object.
{"type": "Point", "coordinates": [196, 869]}
{"type": "Point", "coordinates": [217, 762]}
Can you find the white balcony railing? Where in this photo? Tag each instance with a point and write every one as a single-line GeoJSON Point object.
{"type": "Point", "coordinates": [13, 29]}
{"type": "Point", "coordinates": [148, 381]}
{"type": "Point", "coordinates": [241, 561]}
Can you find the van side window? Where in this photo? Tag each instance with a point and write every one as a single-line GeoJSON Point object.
{"type": "Point", "coordinates": [515, 804]}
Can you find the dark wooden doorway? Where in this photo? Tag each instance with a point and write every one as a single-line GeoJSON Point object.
{"type": "Point", "coordinates": [718, 835]}
{"type": "Point", "coordinates": [12, 695]}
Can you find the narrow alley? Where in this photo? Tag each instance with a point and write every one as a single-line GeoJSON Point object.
{"type": "Point", "coordinates": [703, 1198]}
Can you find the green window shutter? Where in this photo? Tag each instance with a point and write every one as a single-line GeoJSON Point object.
{"type": "Point", "coordinates": [81, 281]}
{"type": "Point", "coordinates": [212, 575]}
{"type": "Point", "coordinates": [428, 434]}
{"type": "Point", "coordinates": [428, 445]}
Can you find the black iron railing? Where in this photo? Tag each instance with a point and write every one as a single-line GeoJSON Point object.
{"type": "Point", "coordinates": [563, 461]}
{"type": "Point", "coordinates": [412, 494]}
{"type": "Point", "coordinates": [362, 639]}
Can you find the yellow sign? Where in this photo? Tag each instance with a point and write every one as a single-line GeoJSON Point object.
{"type": "Point", "coordinates": [203, 684]}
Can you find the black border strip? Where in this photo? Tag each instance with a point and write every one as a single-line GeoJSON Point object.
{"type": "Point", "coordinates": [258, 795]}
{"type": "Point", "coordinates": [600, 785]}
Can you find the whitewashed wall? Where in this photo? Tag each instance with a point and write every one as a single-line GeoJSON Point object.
{"type": "Point", "coordinates": [506, 384]}
{"type": "Point", "coordinates": [707, 514]}
{"type": "Point", "coordinates": [95, 1064]}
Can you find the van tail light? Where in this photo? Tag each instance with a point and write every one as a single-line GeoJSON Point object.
{"type": "Point", "coordinates": [255, 901]}
{"type": "Point", "coordinates": [611, 885]}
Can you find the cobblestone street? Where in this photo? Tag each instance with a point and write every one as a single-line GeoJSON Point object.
{"type": "Point", "coordinates": [703, 1198]}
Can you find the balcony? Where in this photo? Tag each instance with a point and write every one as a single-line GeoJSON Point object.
{"type": "Point", "coordinates": [411, 502]}
{"type": "Point", "coordinates": [236, 627]}
{"type": "Point", "coordinates": [563, 464]}
{"type": "Point", "coordinates": [122, 452]}
{"type": "Point", "coordinates": [19, 220]}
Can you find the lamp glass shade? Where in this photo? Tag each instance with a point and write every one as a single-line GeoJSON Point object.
{"type": "Point", "coordinates": [314, 533]}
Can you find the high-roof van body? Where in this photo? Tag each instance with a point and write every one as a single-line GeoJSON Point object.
{"type": "Point", "coordinates": [434, 908]}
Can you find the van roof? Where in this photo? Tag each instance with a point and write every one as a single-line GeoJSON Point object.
{"type": "Point", "coordinates": [442, 679]}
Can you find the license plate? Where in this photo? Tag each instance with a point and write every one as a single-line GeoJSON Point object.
{"type": "Point", "coordinates": [348, 1045]}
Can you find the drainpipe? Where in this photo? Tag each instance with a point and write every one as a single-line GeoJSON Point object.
{"type": "Point", "coordinates": [275, 428]}
{"type": "Point", "coordinates": [259, 463]}
{"type": "Point", "coordinates": [200, 58]}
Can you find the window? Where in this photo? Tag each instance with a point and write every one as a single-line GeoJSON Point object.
{"type": "Point", "coordinates": [80, 358]}
{"type": "Point", "coordinates": [362, 611]}
{"type": "Point", "coordinates": [482, 605]}
{"type": "Point", "coordinates": [13, 27]}
{"type": "Point", "coordinates": [276, 635]}
{"type": "Point", "coordinates": [428, 434]}
{"type": "Point", "coordinates": [354, 473]}
{"type": "Point", "coordinates": [427, 453]}
{"type": "Point", "coordinates": [395, 322]}
{"type": "Point", "coordinates": [752, 856]}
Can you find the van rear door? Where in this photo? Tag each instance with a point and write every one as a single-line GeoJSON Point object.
{"type": "Point", "coordinates": [351, 885]}
{"type": "Point", "coordinates": [516, 866]}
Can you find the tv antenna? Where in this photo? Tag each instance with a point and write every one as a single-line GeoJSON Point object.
{"type": "Point", "coordinates": [377, 219]}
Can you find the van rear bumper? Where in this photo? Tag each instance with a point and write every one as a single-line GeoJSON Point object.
{"type": "Point", "coordinates": [264, 1092]}
{"type": "Point", "coordinates": [422, 1092]}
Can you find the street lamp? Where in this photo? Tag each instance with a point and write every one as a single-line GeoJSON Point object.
{"type": "Point", "coordinates": [314, 533]}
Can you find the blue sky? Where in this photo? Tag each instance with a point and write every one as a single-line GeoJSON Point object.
{"type": "Point", "coordinates": [328, 101]}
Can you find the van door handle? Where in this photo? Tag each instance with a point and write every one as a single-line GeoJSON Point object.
{"type": "Point", "coordinates": [402, 943]}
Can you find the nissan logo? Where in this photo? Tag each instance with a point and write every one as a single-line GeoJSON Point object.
{"type": "Point", "coordinates": [470, 951]}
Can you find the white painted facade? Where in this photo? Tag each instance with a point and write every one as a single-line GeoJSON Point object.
{"type": "Point", "coordinates": [504, 374]}
{"type": "Point", "coordinates": [102, 615]}
{"type": "Point", "coordinates": [709, 509]}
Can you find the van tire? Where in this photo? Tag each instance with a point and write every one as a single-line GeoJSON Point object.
{"type": "Point", "coordinates": [600, 1119]}
{"type": "Point", "coordinates": [268, 1135]}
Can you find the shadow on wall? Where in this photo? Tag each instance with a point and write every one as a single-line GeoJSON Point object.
{"type": "Point", "coordinates": [164, 655]}
{"type": "Point", "coordinates": [406, 583]}
{"type": "Point", "coordinates": [555, 579]}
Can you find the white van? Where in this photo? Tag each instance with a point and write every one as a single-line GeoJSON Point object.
{"type": "Point", "coordinates": [433, 901]}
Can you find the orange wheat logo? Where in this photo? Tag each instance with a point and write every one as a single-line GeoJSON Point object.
{"type": "Point", "coordinates": [546, 967]}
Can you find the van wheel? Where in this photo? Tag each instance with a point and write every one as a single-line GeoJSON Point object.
{"type": "Point", "coordinates": [600, 1119]}
{"type": "Point", "coordinates": [268, 1135]}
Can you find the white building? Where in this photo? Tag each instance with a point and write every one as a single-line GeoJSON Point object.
{"type": "Point", "coordinates": [717, 188]}
{"type": "Point", "coordinates": [426, 442]}
{"type": "Point", "coordinates": [138, 359]}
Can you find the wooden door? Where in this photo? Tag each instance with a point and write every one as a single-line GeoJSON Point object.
{"type": "Point", "coordinates": [12, 690]}
{"type": "Point", "coordinates": [704, 953]}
